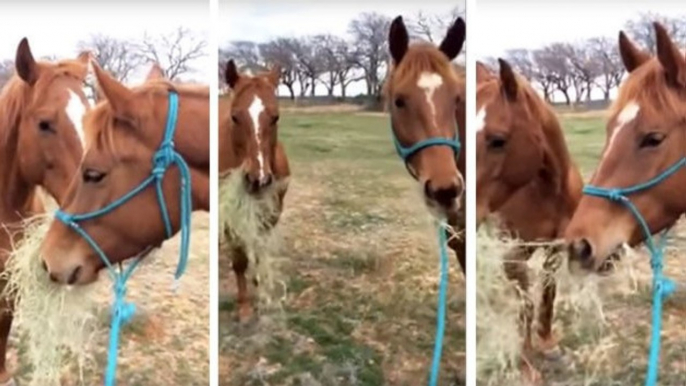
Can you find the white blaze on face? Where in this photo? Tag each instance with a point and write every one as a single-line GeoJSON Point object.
{"type": "Point", "coordinates": [628, 114]}
{"type": "Point", "coordinates": [429, 82]}
{"type": "Point", "coordinates": [256, 108]}
{"type": "Point", "coordinates": [481, 119]}
{"type": "Point", "coordinates": [76, 108]}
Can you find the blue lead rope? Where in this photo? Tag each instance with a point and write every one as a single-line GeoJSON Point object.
{"type": "Point", "coordinates": [405, 153]}
{"type": "Point", "coordinates": [164, 158]}
{"type": "Point", "coordinates": [440, 318]}
{"type": "Point", "coordinates": [662, 286]}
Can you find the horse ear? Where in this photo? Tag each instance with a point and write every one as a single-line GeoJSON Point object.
{"type": "Point", "coordinates": [25, 64]}
{"type": "Point", "coordinates": [118, 95]}
{"type": "Point", "coordinates": [84, 57]}
{"type": "Point", "coordinates": [155, 72]}
{"type": "Point", "coordinates": [398, 39]}
{"type": "Point", "coordinates": [483, 73]}
{"type": "Point", "coordinates": [231, 74]}
{"type": "Point", "coordinates": [632, 56]}
{"type": "Point", "coordinates": [454, 39]}
{"type": "Point", "coordinates": [508, 79]}
{"type": "Point", "coordinates": [669, 56]}
{"type": "Point", "coordinates": [274, 75]}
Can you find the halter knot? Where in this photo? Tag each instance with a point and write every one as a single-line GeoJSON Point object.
{"type": "Point", "coordinates": [667, 287]}
{"type": "Point", "coordinates": [163, 159]}
{"type": "Point", "coordinates": [65, 218]}
{"type": "Point", "coordinates": [615, 195]}
{"type": "Point", "coordinates": [123, 310]}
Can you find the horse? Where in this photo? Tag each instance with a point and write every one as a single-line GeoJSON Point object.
{"type": "Point", "coordinates": [426, 98]}
{"type": "Point", "coordinates": [248, 133]}
{"type": "Point", "coordinates": [645, 135]}
{"type": "Point", "coordinates": [122, 133]}
{"type": "Point", "coordinates": [524, 174]}
{"type": "Point", "coordinates": [41, 137]}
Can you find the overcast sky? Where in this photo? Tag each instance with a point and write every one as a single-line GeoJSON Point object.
{"type": "Point", "coordinates": [262, 20]}
{"type": "Point", "coordinates": [507, 24]}
{"type": "Point", "coordinates": [56, 27]}
{"type": "Point", "coordinates": [504, 24]}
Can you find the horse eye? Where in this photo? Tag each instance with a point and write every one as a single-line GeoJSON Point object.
{"type": "Point", "coordinates": [399, 103]}
{"type": "Point", "coordinates": [275, 120]}
{"type": "Point", "coordinates": [45, 126]}
{"type": "Point", "coordinates": [496, 143]}
{"type": "Point", "coordinates": [652, 140]}
{"type": "Point", "coordinates": [234, 118]}
{"type": "Point", "coordinates": [93, 176]}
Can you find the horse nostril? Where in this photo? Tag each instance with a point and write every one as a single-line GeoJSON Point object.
{"type": "Point", "coordinates": [266, 181]}
{"type": "Point", "coordinates": [582, 250]}
{"type": "Point", "coordinates": [53, 278]}
{"type": "Point", "coordinates": [74, 276]}
{"type": "Point", "coordinates": [444, 196]}
{"type": "Point", "coordinates": [44, 265]}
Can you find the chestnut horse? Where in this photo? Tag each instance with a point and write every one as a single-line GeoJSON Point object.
{"type": "Point", "coordinates": [40, 146]}
{"type": "Point", "coordinates": [426, 97]}
{"type": "Point", "coordinates": [646, 133]}
{"type": "Point", "coordinates": [123, 132]}
{"type": "Point", "coordinates": [526, 176]}
{"type": "Point", "coordinates": [248, 133]}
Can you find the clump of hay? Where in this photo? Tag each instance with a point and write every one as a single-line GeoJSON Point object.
{"type": "Point", "coordinates": [579, 304]}
{"type": "Point", "coordinates": [57, 323]}
{"type": "Point", "coordinates": [245, 224]}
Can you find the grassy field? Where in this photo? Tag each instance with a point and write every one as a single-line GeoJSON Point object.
{"type": "Point", "coordinates": [359, 263]}
{"type": "Point", "coordinates": [615, 353]}
{"type": "Point", "coordinates": [167, 342]}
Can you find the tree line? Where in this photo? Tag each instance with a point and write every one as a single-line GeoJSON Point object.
{"type": "Point", "coordinates": [309, 63]}
{"type": "Point", "coordinates": [576, 70]}
{"type": "Point", "coordinates": [174, 53]}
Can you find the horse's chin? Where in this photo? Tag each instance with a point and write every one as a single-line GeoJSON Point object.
{"type": "Point", "coordinates": [442, 212]}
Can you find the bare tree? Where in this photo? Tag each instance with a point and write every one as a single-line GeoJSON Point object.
{"type": "Point", "coordinates": [584, 68]}
{"type": "Point", "coordinates": [309, 63]}
{"type": "Point", "coordinates": [606, 56]}
{"type": "Point", "coordinates": [175, 52]}
{"type": "Point", "coordinates": [369, 32]}
{"type": "Point", "coordinates": [246, 54]}
{"type": "Point", "coordinates": [641, 29]}
{"type": "Point", "coordinates": [553, 71]}
{"type": "Point", "coordinates": [6, 71]}
{"type": "Point", "coordinates": [337, 63]}
{"type": "Point", "coordinates": [432, 27]}
{"type": "Point", "coordinates": [278, 52]}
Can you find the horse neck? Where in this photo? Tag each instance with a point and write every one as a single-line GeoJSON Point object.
{"type": "Point", "coordinates": [16, 194]}
{"type": "Point", "coordinates": [568, 187]}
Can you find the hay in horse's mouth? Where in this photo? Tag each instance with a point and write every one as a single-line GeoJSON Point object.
{"type": "Point", "coordinates": [57, 322]}
{"type": "Point", "coordinates": [579, 305]}
{"type": "Point", "coordinates": [246, 222]}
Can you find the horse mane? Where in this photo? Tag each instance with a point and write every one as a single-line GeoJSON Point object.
{"type": "Point", "coordinates": [102, 132]}
{"type": "Point", "coordinates": [421, 57]}
{"type": "Point", "coordinates": [14, 97]}
{"type": "Point", "coordinates": [648, 86]}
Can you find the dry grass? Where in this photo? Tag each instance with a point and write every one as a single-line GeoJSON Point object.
{"type": "Point", "coordinates": [166, 343]}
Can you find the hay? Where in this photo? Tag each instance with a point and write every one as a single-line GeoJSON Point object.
{"type": "Point", "coordinates": [57, 323]}
{"type": "Point", "coordinates": [245, 223]}
{"type": "Point", "coordinates": [579, 307]}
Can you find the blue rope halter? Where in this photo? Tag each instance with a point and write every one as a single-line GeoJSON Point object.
{"type": "Point", "coordinates": [662, 286]}
{"type": "Point", "coordinates": [405, 153]}
{"type": "Point", "coordinates": [164, 158]}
